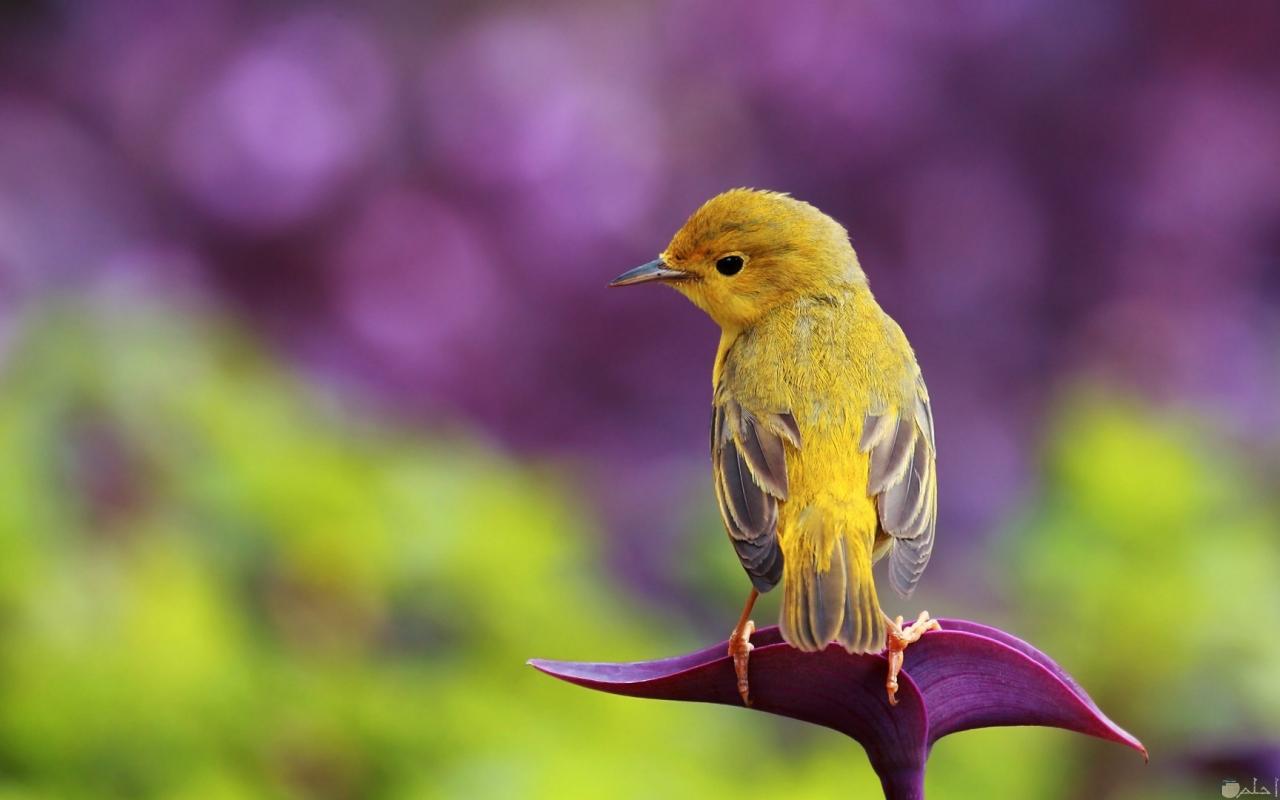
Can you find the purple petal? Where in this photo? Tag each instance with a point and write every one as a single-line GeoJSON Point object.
{"type": "Point", "coordinates": [832, 688]}
{"type": "Point", "coordinates": [1012, 641]}
{"type": "Point", "coordinates": [963, 677]}
{"type": "Point", "coordinates": [974, 676]}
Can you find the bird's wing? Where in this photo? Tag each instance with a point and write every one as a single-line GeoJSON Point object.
{"type": "Point", "coordinates": [748, 457]}
{"type": "Point", "coordinates": [903, 481]}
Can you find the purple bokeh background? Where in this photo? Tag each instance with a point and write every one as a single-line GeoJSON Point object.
{"type": "Point", "coordinates": [420, 204]}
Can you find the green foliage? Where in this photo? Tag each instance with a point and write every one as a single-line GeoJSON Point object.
{"type": "Point", "coordinates": [1149, 568]}
{"type": "Point", "coordinates": [212, 588]}
{"type": "Point", "coordinates": [213, 584]}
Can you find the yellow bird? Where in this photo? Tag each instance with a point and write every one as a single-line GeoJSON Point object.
{"type": "Point", "coordinates": [821, 436]}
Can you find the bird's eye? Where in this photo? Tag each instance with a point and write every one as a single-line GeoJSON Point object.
{"type": "Point", "coordinates": [729, 265]}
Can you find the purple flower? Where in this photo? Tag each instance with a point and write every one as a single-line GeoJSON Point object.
{"type": "Point", "coordinates": [965, 676]}
{"type": "Point", "coordinates": [286, 123]}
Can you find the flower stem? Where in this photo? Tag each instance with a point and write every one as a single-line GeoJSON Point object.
{"type": "Point", "coordinates": [903, 783]}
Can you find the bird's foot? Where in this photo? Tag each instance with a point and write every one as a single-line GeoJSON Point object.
{"type": "Point", "coordinates": [740, 648]}
{"type": "Point", "coordinates": [898, 639]}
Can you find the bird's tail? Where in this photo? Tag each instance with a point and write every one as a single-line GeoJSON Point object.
{"type": "Point", "coordinates": [828, 593]}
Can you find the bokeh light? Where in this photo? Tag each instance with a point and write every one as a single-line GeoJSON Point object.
{"type": "Point", "coordinates": [317, 419]}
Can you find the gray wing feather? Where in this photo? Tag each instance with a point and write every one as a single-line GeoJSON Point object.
{"type": "Point", "coordinates": [748, 457]}
{"type": "Point", "coordinates": [902, 477]}
{"type": "Point", "coordinates": [891, 456]}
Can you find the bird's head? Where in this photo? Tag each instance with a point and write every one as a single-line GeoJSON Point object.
{"type": "Point", "coordinates": [746, 252]}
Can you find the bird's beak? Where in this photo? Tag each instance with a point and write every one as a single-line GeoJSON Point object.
{"type": "Point", "coordinates": [656, 270]}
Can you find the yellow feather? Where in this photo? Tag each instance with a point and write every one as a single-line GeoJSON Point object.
{"type": "Point", "coordinates": [802, 334]}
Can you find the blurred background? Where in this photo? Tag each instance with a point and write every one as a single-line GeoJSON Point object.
{"type": "Point", "coordinates": [316, 419]}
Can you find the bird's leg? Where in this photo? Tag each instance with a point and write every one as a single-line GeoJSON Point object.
{"type": "Point", "coordinates": [740, 646]}
{"type": "Point", "coordinates": [898, 639]}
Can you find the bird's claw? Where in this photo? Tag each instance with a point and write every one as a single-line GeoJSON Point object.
{"type": "Point", "coordinates": [740, 648]}
{"type": "Point", "coordinates": [898, 637]}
